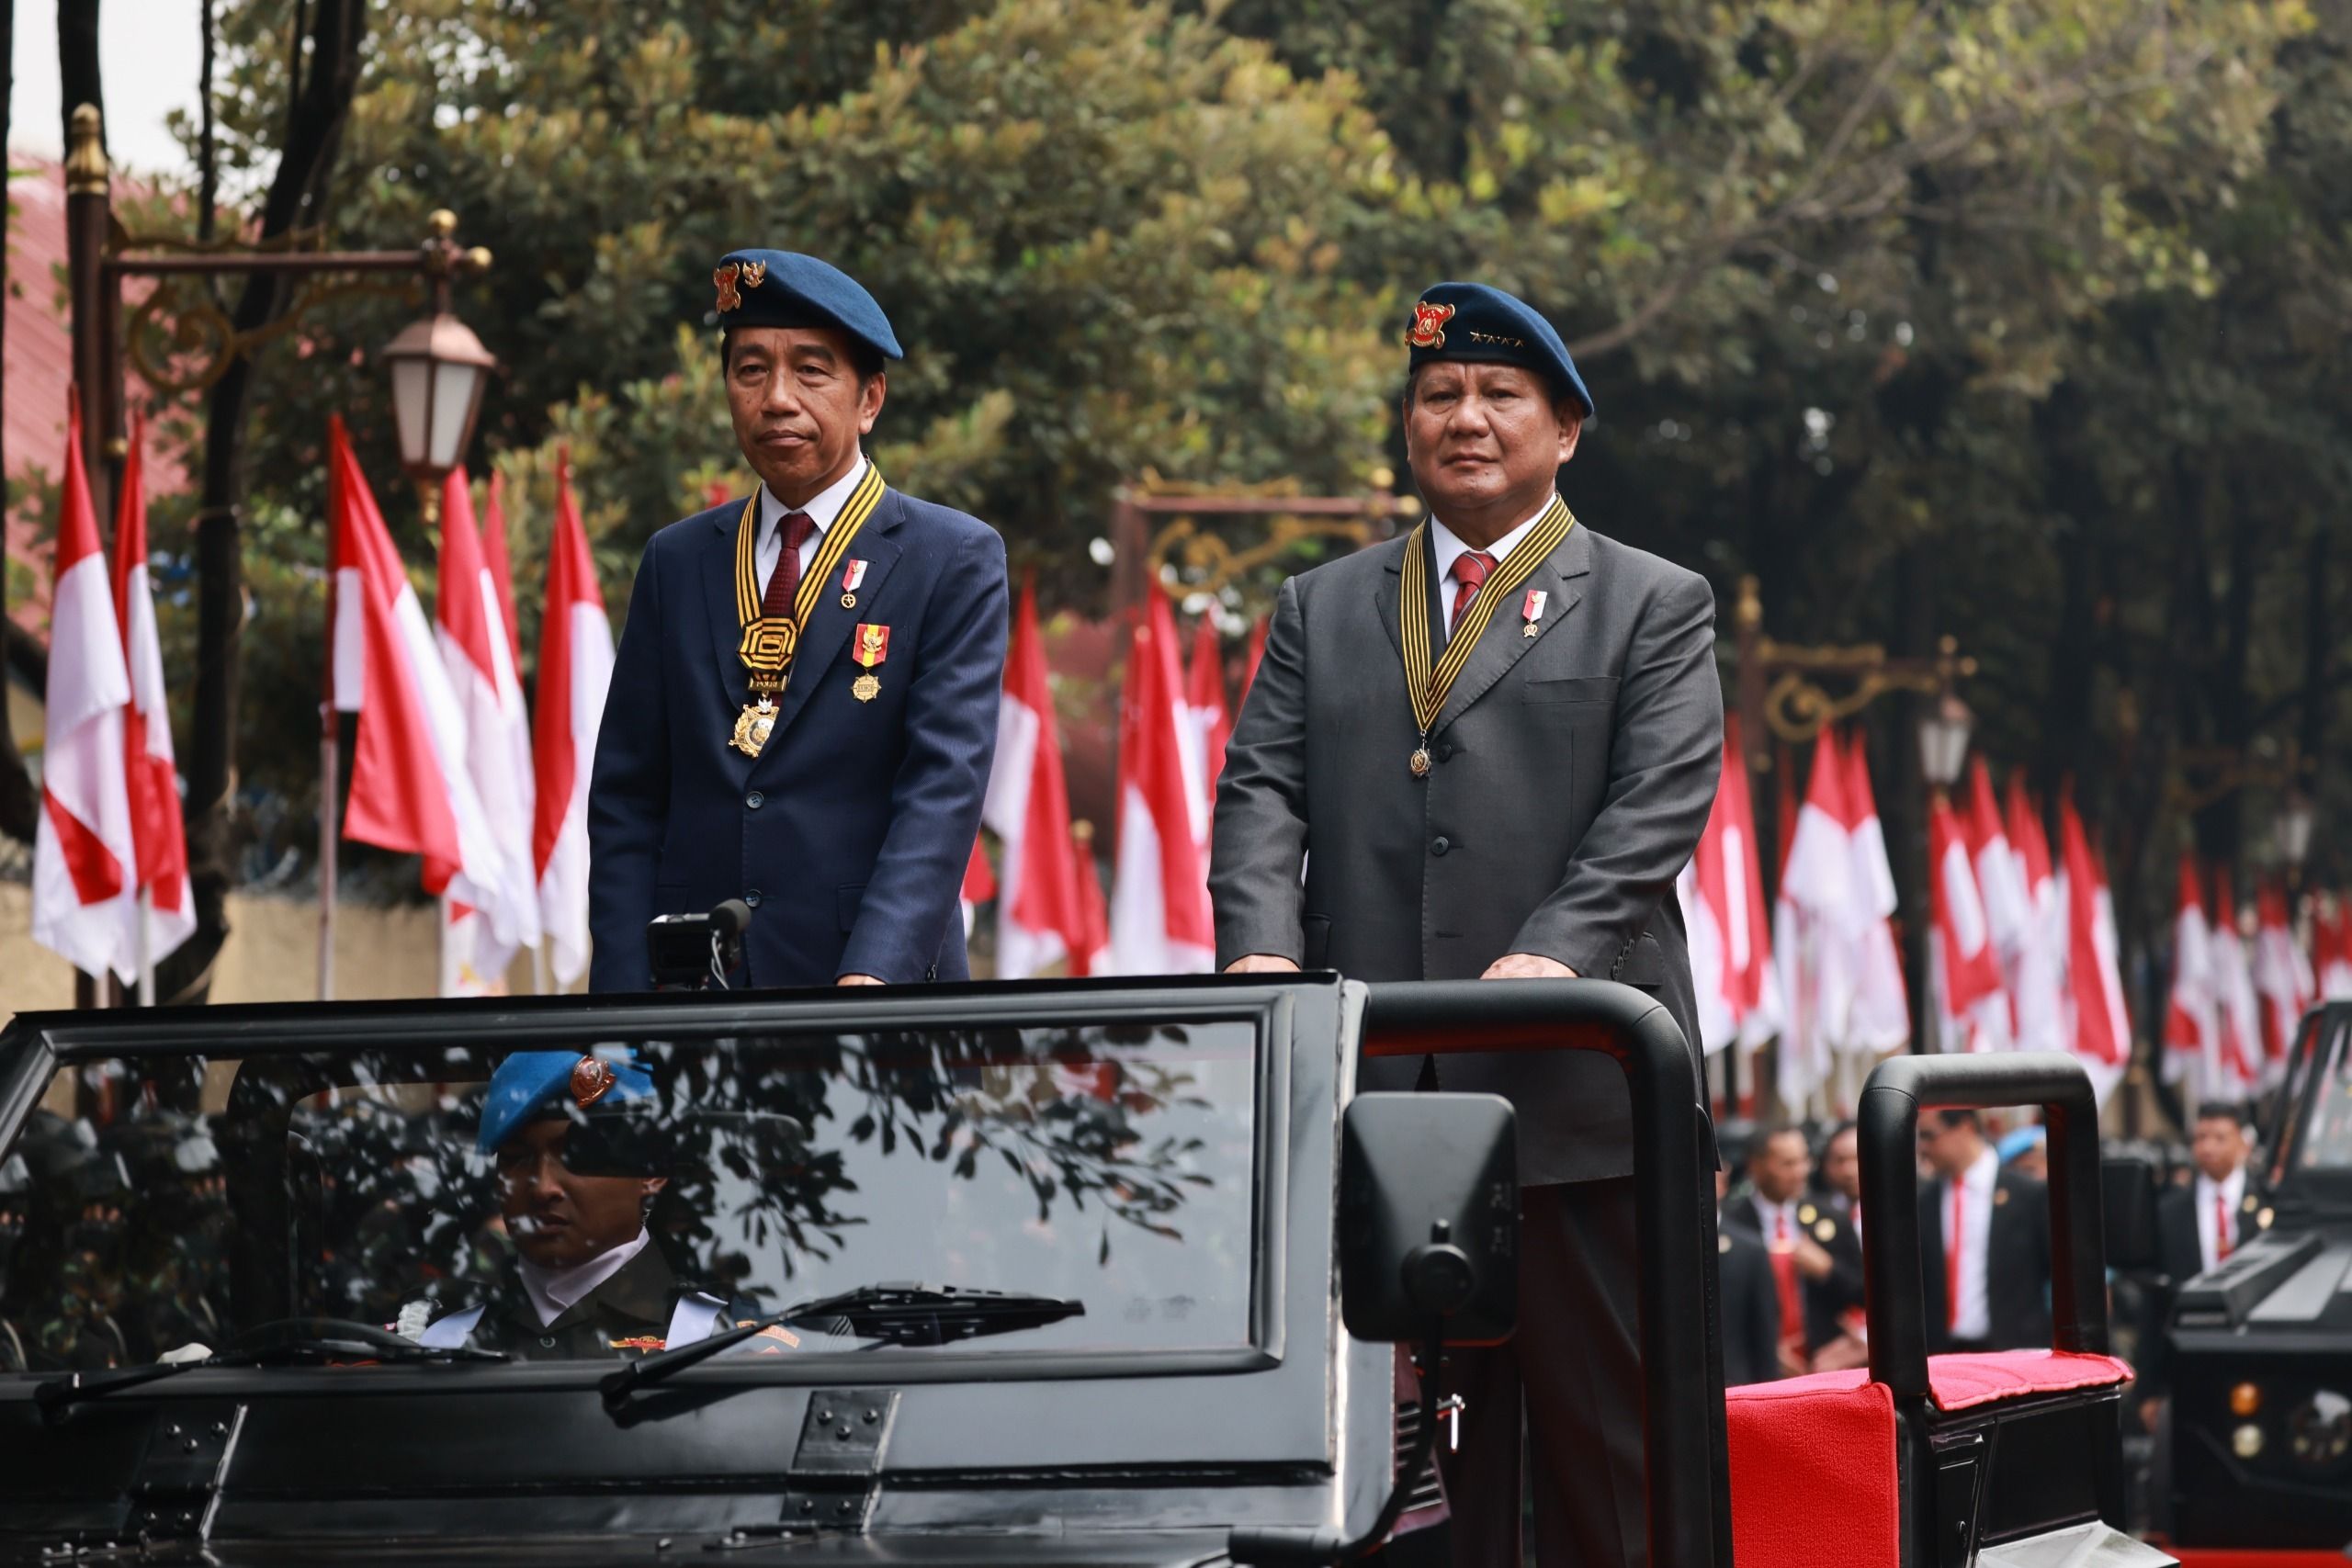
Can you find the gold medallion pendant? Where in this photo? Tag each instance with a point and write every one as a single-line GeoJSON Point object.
{"type": "Point", "coordinates": [866, 688]}
{"type": "Point", "coordinates": [753, 726]}
{"type": "Point", "coordinates": [1419, 762]}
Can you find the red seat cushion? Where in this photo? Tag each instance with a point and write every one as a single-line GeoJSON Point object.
{"type": "Point", "coordinates": [1813, 1458]}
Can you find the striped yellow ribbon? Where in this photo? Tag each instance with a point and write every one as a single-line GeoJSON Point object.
{"type": "Point", "coordinates": [770, 633]}
{"type": "Point", "coordinates": [1428, 684]}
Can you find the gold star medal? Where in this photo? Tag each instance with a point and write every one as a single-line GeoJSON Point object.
{"type": "Point", "coordinates": [869, 645]}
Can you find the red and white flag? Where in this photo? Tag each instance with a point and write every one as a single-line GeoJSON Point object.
{"type": "Point", "coordinates": [2283, 978]}
{"type": "Point", "coordinates": [1212, 723]}
{"type": "Point", "coordinates": [85, 856]}
{"type": "Point", "coordinates": [150, 777]}
{"type": "Point", "coordinates": [575, 667]}
{"type": "Point", "coordinates": [1722, 893]}
{"type": "Point", "coordinates": [1880, 1018]}
{"type": "Point", "coordinates": [476, 651]}
{"type": "Point", "coordinates": [411, 791]}
{"type": "Point", "coordinates": [980, 885]}
{"type": "Point", "coordinates": [2099, 1028]}
{"type": "Point", "coordinates": [1971, 1007]}
{"type": "Point", "coordinates": [1160, 895]}
{"type": "Point", "coordinates": [1813, 935]}
{"type": "Point", "coordinates": [1040, 913]}
{"type": "Point", "coordinates": [2192, 1022]}
{"type": "Point", "coordinates": [2035, 974]}
{"type": "Point", "coordinates": [2332, 946]}
{"type": "Point", "coordinates": [2236, 1008]}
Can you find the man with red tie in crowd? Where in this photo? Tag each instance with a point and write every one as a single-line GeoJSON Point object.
{"type": "Point", "coordinates": [2199, 1225]}
{"type": "Point", "coordinates": [1816, 1263]}
{"type": "Point", "coordinates": [1984, 1257]}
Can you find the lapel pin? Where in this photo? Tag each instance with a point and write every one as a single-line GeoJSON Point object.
{"type": "Point", "coordinates": [1532, 610]}
{"type": "Point", "coordinates": [868, 647]}
{"type": "Point", "coordinates": [851, 575]}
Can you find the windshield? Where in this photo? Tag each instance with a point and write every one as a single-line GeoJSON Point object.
{"type": "Point", "coordinates": [2327, 1140]}
{"type": "Point", "coordinates": [604, 1198]}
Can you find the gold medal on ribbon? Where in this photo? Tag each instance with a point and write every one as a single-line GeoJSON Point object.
{"type": "Point", "coordinates": [1427, 681]}
{"type": "Point", "coordinates": [769, 642]}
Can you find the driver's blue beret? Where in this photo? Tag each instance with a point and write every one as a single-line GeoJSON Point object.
{"type": "Point", "coordinates": [529, 1082]}
{"type": "Point", "coordinates": [782, 289]}
{"type": "Point", "coordinates": [1472, 321]}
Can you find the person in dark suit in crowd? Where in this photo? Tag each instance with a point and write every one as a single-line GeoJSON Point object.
{"type": "Point", "coordinates": [803, 706]}
{"type": "Point", "coordinates": [2199, 1224]}
{"type": "Point", "coordinates": [1815, 1263]}
{"type": "Point", "coordinates": [1841, 1172]}
{"type": "Point", "coordinates": [1984, 1242]}
{"type": "Point", "coordinates": [1749, 1301]}
{"type": "Point", "coordinates": [1484, 750]}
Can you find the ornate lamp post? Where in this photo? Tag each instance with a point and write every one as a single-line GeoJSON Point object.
{"type": "Point", "coordinates": [438, 369]}
{"type": "Point", "coordinates": [2296, 816]}
{"type": "Point", "coordinates": [1943, 740]}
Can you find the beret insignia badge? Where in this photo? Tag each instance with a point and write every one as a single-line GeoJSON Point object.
{"type": "Point", "coordinates": [592, 1079]}
{"type": "Point", "coordinates": [1428, 330]}
{"type": "Point", "coordinates": [754, 274]}
{"type": "Point", "coordinates": [729, 296]}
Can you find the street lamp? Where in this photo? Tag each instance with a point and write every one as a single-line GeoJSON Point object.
{"type": "Point", "coordinates": [2294, 830]}
{"type": "Point", "coordinates": [1943, 740]}
{"type": "Point", "coordinates": [439, 368]}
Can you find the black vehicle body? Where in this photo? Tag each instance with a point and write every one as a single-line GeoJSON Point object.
{"type": "Point", "coordinates": [994, 1454]}
{"type": "Point", "coordinates": [2261, 1346]}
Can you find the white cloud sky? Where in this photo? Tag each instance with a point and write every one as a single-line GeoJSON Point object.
{"type": "Point", "coordinates": [149, 52]}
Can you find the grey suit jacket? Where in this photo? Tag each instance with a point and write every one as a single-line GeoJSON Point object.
{"type": "Point", "coordinates": [1573, 772]}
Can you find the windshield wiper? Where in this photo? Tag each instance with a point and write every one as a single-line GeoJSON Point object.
{"type": "Point", "coordinates": [904, 1314]}
{"type": "Point", "coordinates": [291, 1339]}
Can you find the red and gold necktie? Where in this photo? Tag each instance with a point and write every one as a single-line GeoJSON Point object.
{"type": "Point", "coordinates": [1470, 569]}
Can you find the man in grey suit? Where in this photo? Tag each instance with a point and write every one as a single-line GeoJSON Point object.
{"type": "Point", "coordinates": [1490, 746]}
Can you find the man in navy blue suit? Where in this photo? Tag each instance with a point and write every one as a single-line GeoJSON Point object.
{"type": "Point", "coordinates": [803, 708]}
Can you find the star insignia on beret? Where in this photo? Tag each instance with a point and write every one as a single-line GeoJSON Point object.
{"type": "Point", "coordinates": [729, 296]}
{"type": "Point", "coordinates": [592, 1079]}
{"type": "Point", "coordinates": [1428, 330]}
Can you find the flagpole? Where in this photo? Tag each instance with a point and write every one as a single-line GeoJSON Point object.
{"type": "Point", "coordinates": [146, 953]}
{"type": "Point", "coordinates": [330, 765]}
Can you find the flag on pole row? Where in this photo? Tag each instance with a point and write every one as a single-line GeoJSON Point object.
{"type": "Point", "coordinates": [1159, 901]}
{"type": "Point", "coordinates": [1971, 1007]}
{"type": "Point", "coordinates": [2035, 973]}
{"type": "Point", "coordinates": [85, 856]}
{"type": "Point", "coordinates": [2098, 1030]}
{"type": "Point", "coordinates": [1211, 723]}
{"type": "Point", "coordinates": [151, 777]}
{"type": "Point", "coordinates": [1722, 894]}
{"type": "Point", "coordinates": [575, 667]}
{"type": "Point", "coordinates": [1040, 905]}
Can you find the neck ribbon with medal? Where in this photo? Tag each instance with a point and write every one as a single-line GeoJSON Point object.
{"type": "Point", "coordinates": [1428, 683]}
{"type": "Point", "coordinates": [770, 641]}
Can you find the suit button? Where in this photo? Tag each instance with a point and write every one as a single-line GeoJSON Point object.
{"type": "Point", "coordinates": [1440, 844]}
{"type": "Point", "coordinates": [754, 800]}
{"type": "Point", "coordinates": [1445, 751]}
{"type": "Point", "coordinates": [753, 897]}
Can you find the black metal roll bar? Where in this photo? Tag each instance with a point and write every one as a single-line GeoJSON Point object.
{"type": "Point", "coordinates": [1686, 1459]}
{"type": "Point", "coordinates": [1887, 1124]}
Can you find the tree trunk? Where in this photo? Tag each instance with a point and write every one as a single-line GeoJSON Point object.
{"type": "Point", "coordinates": [17, 806]}
{"type": "Point", "coordinates": [321, 104]}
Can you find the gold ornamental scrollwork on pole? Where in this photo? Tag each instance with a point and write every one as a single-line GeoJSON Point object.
{"type": "Point", "coordinates": [1784, 690]}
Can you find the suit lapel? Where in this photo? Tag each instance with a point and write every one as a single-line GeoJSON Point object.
{"type": "Point", "coordinates": [1504, 644]}
{"type": "Point", "coordinates": [827, 634]}
{"type": "Point", "coordinates": [1384, 592]}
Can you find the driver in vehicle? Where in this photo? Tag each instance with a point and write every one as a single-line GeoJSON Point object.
{"type": "Point", "coordinates": [582, 1157]}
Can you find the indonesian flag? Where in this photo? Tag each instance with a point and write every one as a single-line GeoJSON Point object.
{"type": "Point", "coordinates": [2236, 1004]}
{"type": "Point", "coordinates": [2001, 888]}
{"type": "Point", "coordinates": [1160, 896]}
{"type": "Point", "coordinates": [2035, 975]}
{"type": "Point", "coordinates": [1812, 928]}
{"type": "Point", "coordinates": [575, 666]}
{"type": "Point", "coordinates": [2283, 978]}
{"type": "Point", "coordinates": [1880, 1018]}
{"type": "Point", "coordinates": [980, 885]}
{"type": "Point", "coordinates": [1721, 892]}
{"type": "Point", "coordinates": [2099, 1029]}
{"type": "Point", "coordinates": [1205, 700]}
{"type": "Point", "coordinates": [1967, 974]}
{"type": "Point", "coordinates": [85, 857]}
{"type": "Point", "coordinates": [151, 778]}
{"type": "Point", "coordinates": [1040, 911]}
{"type": "Point", "coordinates": [2192, 1027]}
{"type": "Point", "coordinates": [477, 652]}
{"type": "Point", "coordinates": [2332, 947]}
{"type": "Point", "coordinates": [411, 791]}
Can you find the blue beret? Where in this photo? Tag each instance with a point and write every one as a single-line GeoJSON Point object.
{"type": "Point", "coordinates": [1471, 322]}
{"type": "Point", "coordinates": [780, 288]}
{"type": "Point", "coordinates": [530, 1081]}
{"type": "Point", "coordinates": [2017, 1141]}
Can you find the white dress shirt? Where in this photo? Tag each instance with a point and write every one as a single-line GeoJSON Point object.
{"type": "Point", "coordinates": [1446, 548]}
{"type": "Point", "coordinates": [553, 1291]}
{"type": "Point", "coordinates": [2211, 1216]}
{"type": "Point", "coordinates": [1777, 1222]}
{"type": "Point", "coordinates": [1974, 1319]}
{"type": "Point", "coordinates": [822, 508]}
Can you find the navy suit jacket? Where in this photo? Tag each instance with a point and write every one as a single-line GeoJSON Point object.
{"type": "Point", "coordinates": [849, 834]}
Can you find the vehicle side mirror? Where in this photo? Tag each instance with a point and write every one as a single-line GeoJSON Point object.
{"type": "Point", "coordinates": [2128, 1185]}
{"type": "Point", "coordinates": [1428, 1217]}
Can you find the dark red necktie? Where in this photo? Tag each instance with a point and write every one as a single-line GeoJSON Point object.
{"type": "Point", "coordinates": [2221, 1227]}
{"type": "Point", "coordinates": [1953, 1251]}
{"type": "Point", "coordinates": [1784, 1278]}
{"type": "Point", "coordinates": [1470, 569]}
{"type": "Point", "coordinates": [785, 580]}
